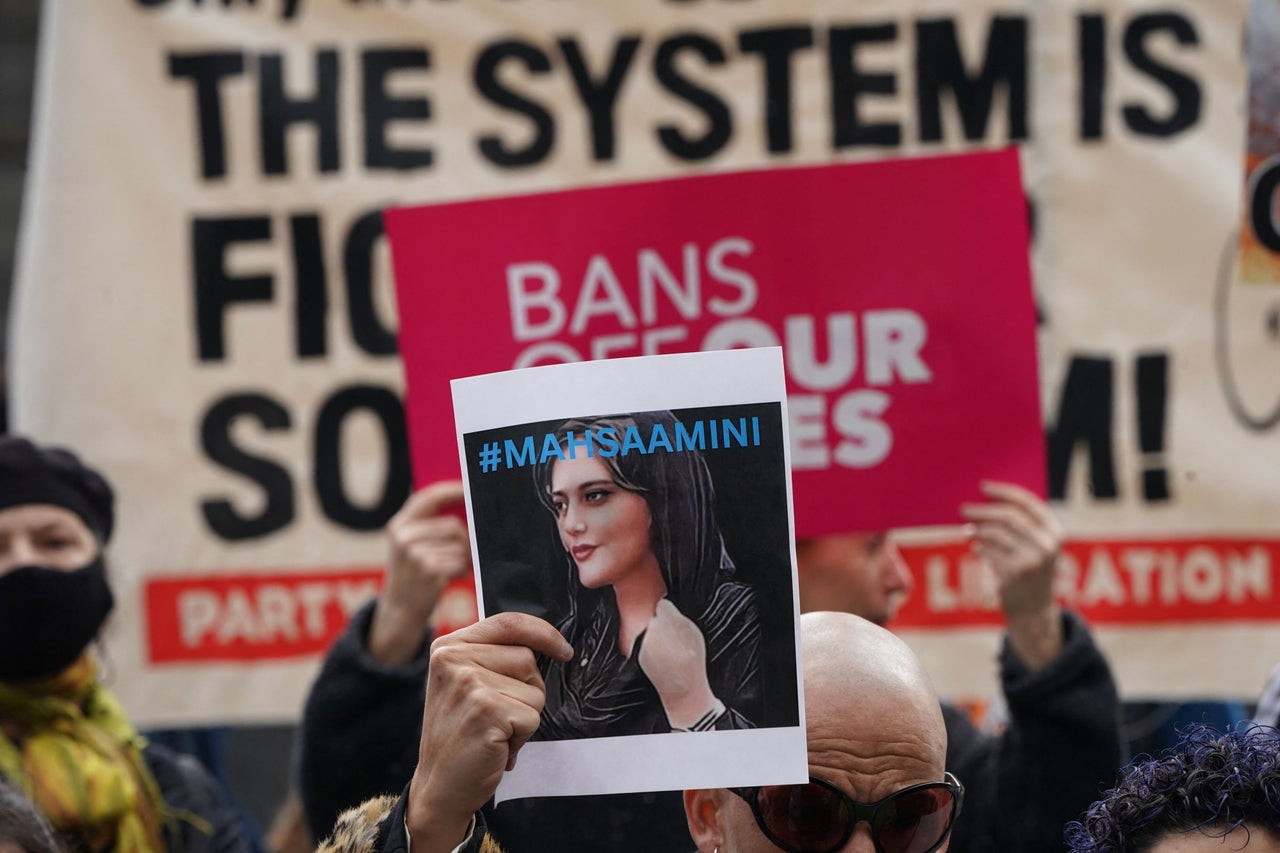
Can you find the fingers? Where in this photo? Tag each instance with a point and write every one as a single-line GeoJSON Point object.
{"type": "Point", "coordinates": [1015, 517]}
{"type": "Point", "coordinates": [988, 538]}
{"type": "Point", "coordinates": [513, 747]}
{"type": "Point", "coordinates": [433, 557]}
{"type": "Point", "coordinates": [444, 527]}
{"type": "Point", "coordinates": [483, 665]}
{"type": "Point", "coordinates": [1008, 526]}
{"type": "Point", "coordinates": [1024, 499]}
{"type": "Point", "coordinates": [432, 546]}
{"type": "Point", "coordinates": [483, 682]}
{"type": "Point", "coordinates": [484, 701]}
{"type": "Point", "coordinates": [430, 500]}
{"type": "Point", "coordinates": [1003, 515]}
{"type": "Point", "coordinates": [515, 629]}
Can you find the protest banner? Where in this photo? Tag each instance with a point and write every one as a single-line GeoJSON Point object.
{"type": "Point", "coordinates": [903, 356]}
{"type": "Point", "coordinates": [611, 509]}
{"type": "Point", "coordinates": [203, 303]}
{"type": "Point", "coordinates": [1259, 261]}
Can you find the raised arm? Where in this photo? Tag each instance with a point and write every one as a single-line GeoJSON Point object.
{"type": "Point", "coordinates": [1062, 743]}
{"type": "Point", "coordinates": [1018, 535]}
{"type": "Point", "coordinates": [428, 549]}
{"type": "Point", "coordinates": [359, 732]}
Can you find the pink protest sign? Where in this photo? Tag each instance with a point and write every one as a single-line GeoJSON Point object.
{"type": "Point", "coordinates": [900, 292]}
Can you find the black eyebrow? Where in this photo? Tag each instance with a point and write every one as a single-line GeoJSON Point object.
{"type": "Point", "coordinates": [54, 526]}
{"type": "Point", "coordinates": [585, 485]}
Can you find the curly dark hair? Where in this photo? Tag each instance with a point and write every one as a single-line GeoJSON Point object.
{"type": "Point", "coordinates": [1212, 781]}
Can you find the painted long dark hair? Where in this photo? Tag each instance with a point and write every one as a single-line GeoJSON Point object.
{"type": "Point", "coordinates": [684, 534]}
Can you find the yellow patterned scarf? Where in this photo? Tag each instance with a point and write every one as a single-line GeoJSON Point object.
{"type": "Point", "coordinates": [66, 741]}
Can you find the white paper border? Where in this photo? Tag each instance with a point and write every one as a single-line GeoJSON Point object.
{"type": "Point", "coordinates": [667, 761]}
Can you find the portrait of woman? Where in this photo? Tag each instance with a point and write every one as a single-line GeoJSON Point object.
{"type": "Point", "coordinates": [667, 638]}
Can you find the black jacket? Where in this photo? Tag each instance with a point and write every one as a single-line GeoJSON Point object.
{"type": "Point", "coordinates": [360, 729]}
{"type": "Point", "coordinates": [1061, 748]}
{"type": "Point", "coordinates": [603, 693]}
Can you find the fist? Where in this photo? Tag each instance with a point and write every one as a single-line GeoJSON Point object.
{"type": "Point", "coordinates": [674, 658]}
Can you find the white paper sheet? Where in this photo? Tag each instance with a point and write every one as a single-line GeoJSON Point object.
{"type": "Point", "coordinates": [702, 438]}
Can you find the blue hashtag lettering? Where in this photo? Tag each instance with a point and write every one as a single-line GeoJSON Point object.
{"type": "Point", "coordinates": [490, 456]}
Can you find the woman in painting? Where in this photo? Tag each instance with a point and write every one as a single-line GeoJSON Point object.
{"type": "Point", "coordinates": [666, 638]}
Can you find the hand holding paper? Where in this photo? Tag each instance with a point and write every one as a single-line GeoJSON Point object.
{"type": "Point", "coordinates": [484, 697]}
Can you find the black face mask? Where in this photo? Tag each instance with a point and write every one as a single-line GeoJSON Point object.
{"type": "Point", "coordinates": [48, 617]}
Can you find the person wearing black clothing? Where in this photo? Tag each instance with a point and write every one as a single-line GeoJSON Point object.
{"type": "Point", "coordinates": [1061, 745]}
{"type": "Point", "coordinates": [64, 739]}
{"type": "Point", "coordinates": [359, 738]}
{"type": "Point", "coordinates": [877, 778]}
{"type": "Point", "coordinates": [1062, 742]}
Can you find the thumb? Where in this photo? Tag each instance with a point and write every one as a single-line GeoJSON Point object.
{"type": "Point", "coordinates": [513, 747]}
{"type": "Point", "coordinates": [666, 609]}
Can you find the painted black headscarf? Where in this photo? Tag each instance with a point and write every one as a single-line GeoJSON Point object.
{"type": "Point", "coordinates": [601, 692]}
{"type": "Point", "coordinates": [684, 533]}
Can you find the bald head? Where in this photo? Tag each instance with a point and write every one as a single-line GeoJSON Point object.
{"type": "Point", "coordinates": [874, 728]}
{"type": "Point", "coordinates": [852, 656]}
{"type": "Point", "coordinates": [869, 703]}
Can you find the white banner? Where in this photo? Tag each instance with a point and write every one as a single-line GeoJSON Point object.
{"type": "Point", "coordinates": [203, 304]}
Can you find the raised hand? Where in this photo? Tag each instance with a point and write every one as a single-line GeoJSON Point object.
{"type": "Point", "coordinates": [1019, 537]}
{"type": "Point", "coordinates": [484, 699]}
{"type": "Point", "coordinates": [427, 551]}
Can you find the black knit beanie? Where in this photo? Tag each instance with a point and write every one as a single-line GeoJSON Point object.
{"type": "Point", "coordinates": [34, 475]}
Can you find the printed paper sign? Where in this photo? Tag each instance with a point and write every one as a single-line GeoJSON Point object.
{"type": "Point", "coordinates": [642, 505]}
{"type": "Point", "coordinates": [901, 297]}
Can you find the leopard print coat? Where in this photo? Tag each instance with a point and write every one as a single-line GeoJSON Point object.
{"type": "Point", "coordinates": [357, 829]}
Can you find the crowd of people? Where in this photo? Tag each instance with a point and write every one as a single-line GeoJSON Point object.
{"type": "Point", "coordinates": [405, 735]}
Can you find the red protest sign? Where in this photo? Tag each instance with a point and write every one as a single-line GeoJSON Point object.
{"type": "Point", "coordinates": [900, 292]}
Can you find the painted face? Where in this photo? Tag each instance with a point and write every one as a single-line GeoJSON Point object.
{"type": "Point", "coordinates": [857, 573]}
{"type": "Point", "coordinates": [44, 535]}
{"type": "Point", "coordinates": [1254, 839]}
{"type": "Point", "coordinates": [604, 527]}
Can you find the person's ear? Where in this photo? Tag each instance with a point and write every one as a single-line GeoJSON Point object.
{"type": "Point", "coordinates": [702, 810]}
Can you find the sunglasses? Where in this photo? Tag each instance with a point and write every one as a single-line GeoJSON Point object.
{"type": "Point", "coordinates": [819, 817]}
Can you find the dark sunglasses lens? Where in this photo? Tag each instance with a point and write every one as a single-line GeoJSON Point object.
{"type": "Point", "coordinates": [806, 817]}
{"type": "Point", "coordinates": [916, 821]}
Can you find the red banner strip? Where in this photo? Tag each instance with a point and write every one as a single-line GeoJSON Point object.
{"type": "Point", "coordinates": [237, 618]}
{"type": "Point", "coordinates": [1109, 581]}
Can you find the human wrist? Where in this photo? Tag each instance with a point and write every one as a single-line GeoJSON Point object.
{"type": "Point", "coordinates": [1036, 636]}
{"type": "Point", "coordinates": [396, 635]}
{"type": "Point", "coordinates": [432, 827]}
